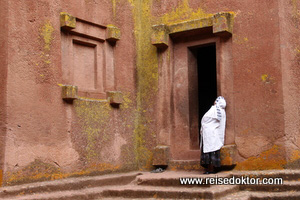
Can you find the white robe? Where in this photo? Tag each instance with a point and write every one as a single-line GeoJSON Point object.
{"type": "Point", "coordinates": [213, 130]}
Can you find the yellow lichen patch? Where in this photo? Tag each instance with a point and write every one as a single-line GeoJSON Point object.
{"type": "Point", "coordinates": [131, 2]}
{"type": "Point", "coordinates": [183, 12]}
{"type": "Point", "coordinates": [295, 155]}
{"type": "Point", "coordinates": [92, 99]}
{"type": "Point", "coordinates": [271, 159]}
{"type": "Point", "coordinates": [94, 119]}
{"type": "Point", "coordinates": [226, 158]}
{"type": "Point", "coordinates": [147, 82]}
{"type": "Point", "coordinates": [46, 34]}
{"type": "Point", "coordinates": [242, 41]}
{"type": "Point", "coordinates": [264, 77]}
{"type": "Point", "coordinates": [35, 171]}
{"type": "Point", "coordinates": [296, 11]}
{"type": "Point", "coordinates": [127, 101]}
{"type": "Point", "coordinates": [114, 7]}
{"type": "Point", "coordinates": [67, 21]}
{"type": "Point", "coordinates": [1, 177]}
{"type": "Point", "coordinates": [40, 171]}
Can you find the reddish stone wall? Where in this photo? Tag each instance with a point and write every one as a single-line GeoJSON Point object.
{"type": "Point", "coordinates": [3, 78]}
{"type": "Point", "coordinates": [264, 62]}
{"type": "Point", "coordinates": [289, 16]}
{"type": "Point", "coordinates": [48, 138]}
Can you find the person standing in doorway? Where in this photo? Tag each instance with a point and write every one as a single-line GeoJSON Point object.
{"type": "Point", "coordinates": [212, 135]}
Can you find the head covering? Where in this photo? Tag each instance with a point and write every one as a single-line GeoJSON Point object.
{"type": "Point", "coordinates": [220, 104]}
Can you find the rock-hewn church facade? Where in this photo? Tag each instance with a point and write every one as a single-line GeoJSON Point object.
{"type": "Point", "coordinates": [98, 86]}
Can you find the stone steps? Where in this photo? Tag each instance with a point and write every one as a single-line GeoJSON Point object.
{"type": "Point", "coordinates": [166, 185]}
{"type": "Point", "coordinates": [290, 189]}
{"type": "Point", "coordinates": [286, 186]}
{"type": "Point", "coordinates": [82, 194]}
{"type": "Point", "coordinates": [173, 179]}
{"type": "Point", "coordinates": [250, 195]}
{"type": "Point", "coordinates": [287, 175]}
{"type": "Point", "coordinates": [68, 184]}
{"type": "Point", "coordinates": [170, 192]}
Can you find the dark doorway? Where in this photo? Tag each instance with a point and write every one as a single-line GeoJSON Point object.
{"type": "Point", "coordinates": [207, 78]}
{"type": "Point", "coordinates": [202, 87]}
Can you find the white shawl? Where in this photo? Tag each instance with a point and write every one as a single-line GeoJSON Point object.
{"type": "Point", "coordinates": [213, 127]}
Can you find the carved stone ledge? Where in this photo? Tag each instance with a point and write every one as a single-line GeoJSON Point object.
{"type": "Point", "coordinates": [228, 153]}
{"type": "Point", "coordinates": [67, 21]}
{"type": "Point", "coordinates": [160, 36]}
{"type": "Point", "coordinates": [161, 155]}
{"type": "Point", "coordinates": [223, 24]}
{"type": "Point", "coordinates": [69, 92]}
{"type": "Point", "coordinates": [220, 24]}
{"type": "Point", "coordinates": [115, 97]}
{"type": "Point", "coordinates": [113, 33]}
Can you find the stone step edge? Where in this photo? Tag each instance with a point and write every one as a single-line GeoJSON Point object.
{"type": "Point", "coordinates": [252, 195]}
{"type": "Point", "coordinates": [70, 184]}
{"type": "Point", "coordinates": [286, 186]}
{"type": "Point", "coordinates": [174, 182]}
{"type": "Point", "coordinates": [169, 192]}
{"type": "Point", "coordinates": [99, 192]}
{"type": "Point", "coordinates": [83, 194]}
{"type": "Point", "coordinates": [288, 174]}
{"type": "Point", "coordinates": [275, 195]}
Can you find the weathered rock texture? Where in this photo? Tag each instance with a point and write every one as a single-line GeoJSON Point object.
{"type": "Point", "coordinates": [139, 51]}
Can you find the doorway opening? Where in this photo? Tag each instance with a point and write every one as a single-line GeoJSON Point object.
{"type": "Point", "coordinates": [207, 78]}
{"type": "Point", "coordinates": [203, 87]}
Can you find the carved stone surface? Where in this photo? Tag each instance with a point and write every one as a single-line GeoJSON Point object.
{"type": "Point", "coordinates": [88, 55]}
{"type": "Point", "coordinates": [160, 37]}
{"type": "Point", "coordinates": [67, 21]}
{"type": "Point", "coordinates": [228, 153]}
{"type": "Point", "coordinates": [161, 155]}
{"type": "Point", "coordinates": [115, 97]}
{"type": "Point", "coordinates": [69, 92]}
{"type": "Point", "coordinates": [113, 34]}
{"type": "Point", "coordinates": [223, 24]}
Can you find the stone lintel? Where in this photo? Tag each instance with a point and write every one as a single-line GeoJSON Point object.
{"type": "Point", "coordinates": [115, 97]}
{"type": "Point", "coordinates": [223, 24]}
{"type": "Point", "coordinates": [228, 153]}
{"type": "Point", "coordinates": [220, 23]}
{"type": "Point", "coordinates": [69, 92]}
{"type": "Point", "coordinates": [161, 155]}
{"type": "Point", "coordinates": [113, 33]}
{"type": "Point", "coordinates": [191, 25]}
{"type": "Point", "coordinates": [67, 21]}
{"type": "Point", "coordinates": [160, 37]}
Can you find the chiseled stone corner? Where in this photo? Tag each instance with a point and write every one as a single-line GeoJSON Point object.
{"type": "Point", "coordinates": [228, 153]}
{"type": "Point", "coordinates": [69, 92]}
{"type": "Point", "coordinates": [161, 155]}
{"type": "Point", "coordinates": [223, 24]}
{"type": "Point", "coordinates": [113, 33]}
{"type": "Point", "coordinates": [115, 97]}
{"type": "Point", "coordinates": [160, 36]}
{"type": "Point", "coordinates": [67, 21]}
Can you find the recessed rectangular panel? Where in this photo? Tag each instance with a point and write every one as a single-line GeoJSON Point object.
{"type": "Point", "coordinates": [85, 65]}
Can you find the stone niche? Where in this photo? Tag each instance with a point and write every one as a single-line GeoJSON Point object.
{"type": "Point", "coordinates": [88, 56]}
